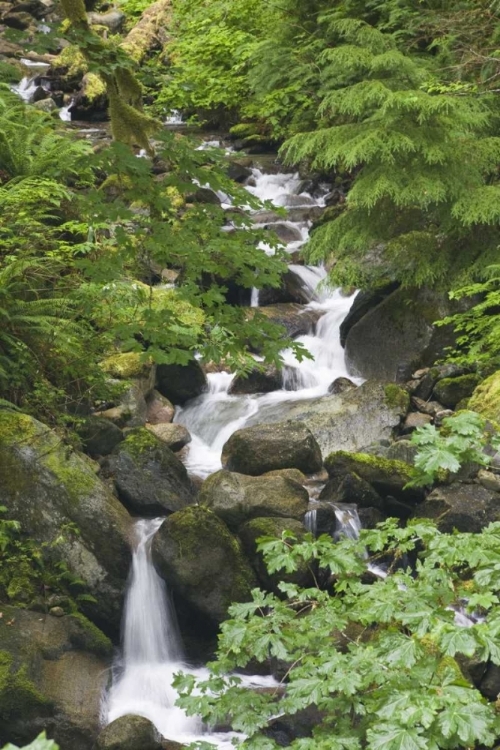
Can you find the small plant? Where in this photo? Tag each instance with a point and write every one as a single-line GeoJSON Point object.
{"type": "Point", "coordinates": [41, 743]}
{"type": "Point", "coordinates": [462, 438]}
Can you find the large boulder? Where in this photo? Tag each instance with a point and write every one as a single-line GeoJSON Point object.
{"type": "Point", "coordinates": [202, 562]}
{"type": "Point", "coordinates": [291, 289]}
{"type": "Point", "coordinates": [175, 436]}
{"type": "Point", "coordinates": [253, 530]}
{"type": "Point", "coordinates": [179, 383]}
{"type": "Point", "coordinates": [286, 445]}
{"type": "Point", "coordinates": [295, 319]}
{"type": "Point", "coordinates": [149, 477]}
{"type": "Point", "coordinates": [486, 398]}
{"type": "Point", "coordinates": [348, 421]}
{"type": "Point", "coordinates": [387, 477]}
{"type": "Point", "coordinates": [159, 409]}
{"type": "Point", "coordinates": [237, 497]}
{"type": "Point", "coordinates": [99, 436]}
{"type": "Point", "coordinates": [465, 507]}
{"type": "Point", "coordinates": [350, 488]}
{"type": "Point", "coordinates": [450, 391]}
{"type": "Point", "coordinates": [129, 733]}
{"type": "Point", "coordinates": [398, 336]}
{"type": "Point", "coordinates": [363, 302]}
{"type": "Point", "coordinates": [47, 487]}
{"type": "Point", "coordinates": [52, 674]}
{"type": "Point", "coordinates": [257, 381]}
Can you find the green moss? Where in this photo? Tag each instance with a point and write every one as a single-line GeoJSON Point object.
{"type": "Point", "coordinates": [361, 460]}
{"type": "Point", "coordinates": [139, 441]}
{"type": "Point", "coordinates": [450, 391]}
{"type": "Point", "coordinates": [87, 636]}
{"type": "Point", "coordinates": [486, 398]}
{"type": "Point", "coordinates": [126, 365]}
{"type": "Point", "coordinates": [397, 398]}
{"type": "Point", "coordinates": [94, 87]}
{"type": "Point", "coordinates": [78, 480]}
{"type": "Point", "coordinates": [18, 694]}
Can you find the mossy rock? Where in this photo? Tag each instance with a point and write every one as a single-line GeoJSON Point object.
{"type": "Point", "coordinates": [286, 445]}
{"type": "Point", "coordinates": [99, 436]}
{"type": "Point", "coordinates": [387, 477]}
{"type": "Point", "coordinates": [149, 478]}
{"type": "Point", "coordinates": [48, 488]}
{"type": "Point", "coordinates": [179, 383]}
{"type": "Point", "coordinates": [450, 391]}
{"type": "Point", "coordinates": [203, 563]}
{"type": "Point", "coordinates": [486, 398]}
{"type": "Point", "coordinates": [351, 488]}
{"type": "Point", "coordinates": [253, 530]}
{"type": "Point", "coordinates": [396, 397]}
{"type": "Point", "coordinates": [464, 507]}
{"type": "Point", "coordinates": [127, 365]}
{"type": "Point", "coordinates": [129, 733]}
{"type": "Point", "coordinates": [237, 497]}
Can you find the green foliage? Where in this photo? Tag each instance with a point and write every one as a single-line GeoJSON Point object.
{"type": "Point", "coordinates": [382, 662]}
{"type": "Point", "coordinates": [41, 743]}
{"type": "Point", "coordinates": [462, 438]}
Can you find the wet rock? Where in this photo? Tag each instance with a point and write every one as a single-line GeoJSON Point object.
{"type": "Point", "coordinates": [46, 105]}
{"type": "Point", "coordinates": [348, 421]}
{"type": "Point", "coordinates": [370, 517]}
{"type": "Point", "coordinates": [35, 8]}
{"type": "Point", "coordinates": [238, 172]}
{"type": "Point", "coordinates": [363, 302]}
{"type": "Point", "coordinates": [387, 477]}
{"type": "Point", "coordinates": [292, 289]}
{"type": "Point", "coordinates": [286, 232]}
{"type": "Point", "coordinates": [398, 336]}
{"type": "Point", "coordinates": [415, 420]}
{"type": "Point", "coordinates": [175, 436]}
{"type": "Point", "coordinates": [129, 733]}
{"type": "Point", "coordinates": [148, 477]}
{"type": "Point", "coordinates": [203, 562]}
{"type": "Point", "coordinates": [489, 481]}
{"type": "Point", "coordinates": [295, 319]}
{"type": "Point", "coordinates": [490, 683]}
{"type": "Point", "coordinates": [294, 474]}
{"type": "Point", "coordinates": [465, 507]}
{"type": "Point", "coordinates": [46, 486]}
{"type": "Point", "coordinates": [340, 385]}
{"type": "Point", "coordinates": [99, 436]}
{"type": "Point", "coordinates": [18, 20]}
{"type": "Point", "coordinates": [402, 450]}
{"type": "Point", "coordinates": [351, 489]}
{"type": "Point", "coordinates": [236, 498]}
{"type": "Point", "coordinates": [266, 217]}
{"type": "Point", "coordinates": [257, 381]}
{"type": "Point", "coordinates": [287, 445]}
{"type": "Point", "coordinates": [39, 94]}
{"type": "Point", "coordinates": [450, 391]}
{"type": "Point", "coordinates": [203, 195]}
{"type": "Point", "coordinates": [113, 20]}
{"type": "Point", "coordinates": [486, 398]}
{"type": "Point", "coordinates": [304, 214]}
{"type": "Point", "coordinates": [159, 409]}
{"type": "Point", "coordinates": [49, 680]}
{"type": "Point", "coordinates": [251, 531]}
{"type": "Point", "coordinates": [131, 410]}
{"type": "Point", "coordinates": [426, 407]}
{"type": "Point", "coordinates": [9, 49]}
{"type": "Point", "coordinates": [179, 383]}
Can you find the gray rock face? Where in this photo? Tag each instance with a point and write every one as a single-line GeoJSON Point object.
{"type": "Point", "coordinates": [175, 436]}
{"type": "Point", "coordinates": [99, 436]}
{"type": "Point", "coordinates": [363, 302]}
{"type": "Point", "coordinates": [465, 507]}
{"type": "Point", "coordinates": [398, 336]}
{"type": "Point", "coordinates": [45, 486]}
{"type": "Point", "coordinates": [348, 421]}
{"type": "Point", "coordinates": [56, 670]}
{"type": "Point", "coordinates": [179, 383]}
{"type": "Point", "coordinates": [257, 381]}
{"type": "Point", "coordinates": [203, 562]}
{"type": "Point", "coordinates": [291, 289]}
{"type": "Point", "coordinates": [237, 498]}
{"type": "Point", "coordinates": [149, 478]}
{"type": "Point", "coordinates": [286, 445]}
{"type": "Point", "coordinates": [295, 319]}
{"type": "Point", "coordinates": [129, 733]}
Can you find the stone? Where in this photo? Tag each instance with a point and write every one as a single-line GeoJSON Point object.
{"type": "Point", "coordinates": [175, 436]}
{"type": "Point", "coordinates": [351, 489]}
{"type": "Point", "coordinates": [238, 172]}
{"type": "Point", "coordinates": [364, 301]}
{"type": "Point", "coordinates": [113, 20]}
{"type": "Point", "coordinates": [402, 450]}
{"type": "Point", "coordinates": [57, 612]}
{"type": "Point", "coordinates": [340, 385]}
{"type": "Point", "coordinates": [18, 20]}
{"type": "Point", "coordinates": [294, 474]}
{"type": "Point", "coordinates": [236, 498]}
{"type": "Point", "coordinates": [257, 381]}
{"type": "Point", "coordinates": [489, 481]}
{"type": "Point", "coordinates": [387, 477]}
{"type": "Point", "coordinates": [99, 436]}
{"type": "Point", "coordinates": [35, 8]}
{"type": "Point", "coordinates": [490, 683]}
{"type": "Point", "coordinates": [286, 445]}
{"type": "Point", "coordinates": [415, 420]}
{"type": "Point", "coordinates": [292, 289]}
{"type": "Point", "coordinates": [149, 478]}
{"type": "Point", "coordinates": [203, 563]}
{"type": "Point", "coordinates": [204, 195]}
{"type": "Point", "coordinates": [159, 409]}
{"type": "Point", "coordinates": [46, 486]}
{"type": "Point", "coordinates": [450, 391]}
{"type": "Point", "coordinates": [286, 232]}
{"type": "Point", "coordinates": [129, 733]}
{"type": "Point", "coordinates": [349, 421]}
{"type": "Point", "coordinates": [486, 398]}
{"type": "Point", "coordinates": [9, 49]}
{"type": "Point", "coordinates": [131, 410]}
{"type": "Point", "coordinates": [131, 366]}
{"type": "Point", "coordinates": [49, 679]}
{"type": "Point", "coordinates": [294, 318]}
{"type": "Point", "coordinates": [465, 507]}
{"type": "Point", "coordinates": [46, 105]}
{"type": "Point", "coordinates": [179, 383]}
{"type": "Point", "coordinates": [252, 530]}
{"type": "Point", "coordinates": [40, 94]}
{"type": "Point", "coordinates": [398, 335]}
{"type": "Point", "coordinates": [426, 407]}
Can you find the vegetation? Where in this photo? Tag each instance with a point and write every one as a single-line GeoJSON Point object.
{"type": "Point", "coordinates": [41, 743]}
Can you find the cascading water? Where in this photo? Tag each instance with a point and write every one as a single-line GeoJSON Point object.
{"type": "Point", "coordinates": [212, 418]}
{"type": "Point", "coordinates": [152, 654]}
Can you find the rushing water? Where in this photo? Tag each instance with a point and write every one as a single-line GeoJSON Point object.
{"type": "Point", "coordinates": [152, 654]}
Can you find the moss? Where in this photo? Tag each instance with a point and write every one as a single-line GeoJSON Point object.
{"type": "Point", "coordinates": [368, 461]}
{"type": "Point", "coordinates": [94, 87]}
{"type": "Point", "coordinates": [72, 59]}
{"type": "Point", "coordinates": [126, 365]}
{"type": "Point", "coordinates": [139, 441]}
{"type": "Point", "coordinates": [18, 694]}
{"type": "Point", "coordinates": [78, 480]}
{"type": "Point", "coordinates": [397, 398]}
{"type": "Point", "coordinates": [486, 398]}
{"type": "Point", "coordinates": [450, 391]}
{"type": "Point", "coordinates": [87, 636]}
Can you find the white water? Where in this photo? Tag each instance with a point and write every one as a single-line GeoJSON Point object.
{"type": "Point", "coordinates": [152, 654]}
{"type": "Point", "coordinates": [212, 418]}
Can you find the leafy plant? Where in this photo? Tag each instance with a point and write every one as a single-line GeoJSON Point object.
{"type": "Point", "coordinates": [462, 438]}
{"type": "Point", "coordinates": [41, 743]}
{"type": "Point", "coordinates": [379, 663]}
